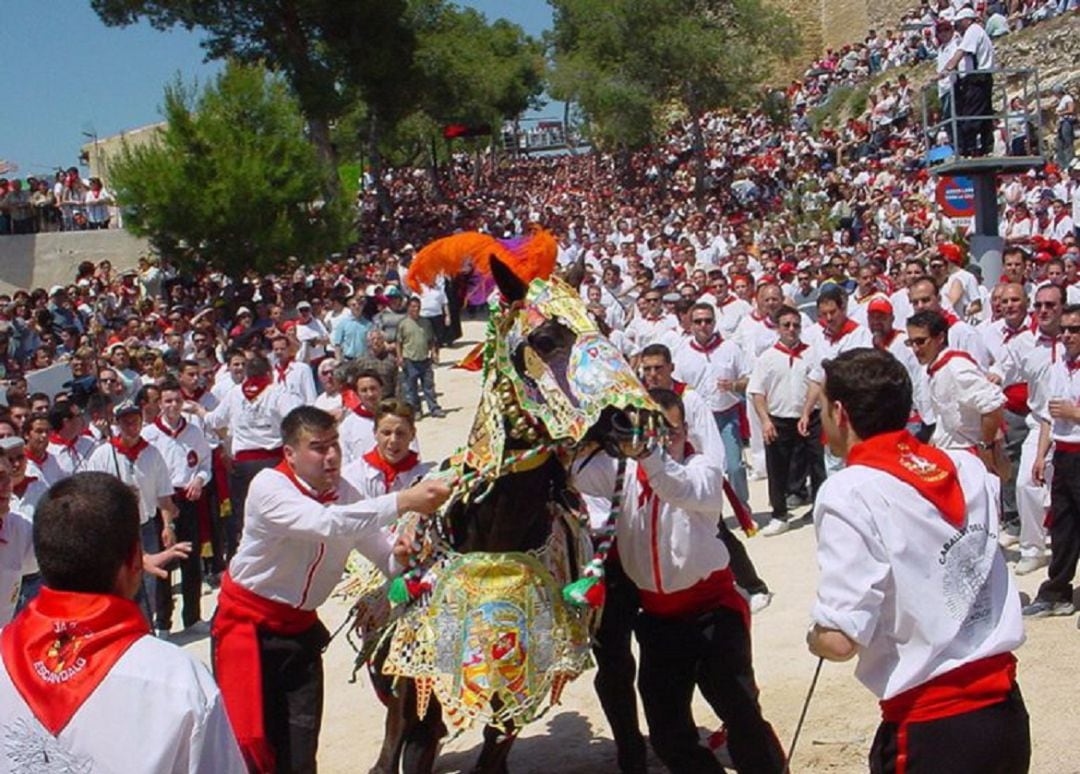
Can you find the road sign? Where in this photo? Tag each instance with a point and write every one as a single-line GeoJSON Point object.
{"type": "Point", "coordinates": [956, 196]}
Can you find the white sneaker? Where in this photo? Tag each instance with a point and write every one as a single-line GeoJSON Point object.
{"type": "Point", "coordinates": [1007, 539]}
{"type": "Point", "coordinates": [759, 602]}
{"type": "Point", "coordinates": [775, 527]}
{"type": "Point", "coordinates": [1029, 564]}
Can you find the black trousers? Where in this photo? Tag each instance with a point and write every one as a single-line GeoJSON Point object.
{"type": "Point", "coordinates": [292, 683]}
{"type": "Point", "coordinates": [616, 668]}
{"type": "Point", "coordinates": [974, 97]}
{"type": "Point", "coordinates": [780, 456]}
{"type": "Point", "coordinates": [1064, 528]}
{"type": "Point", "coordinates": [187, 529]}
{"type": "Point", "coordinates": [239, 481]}
{"type": "Point", "coordinates": [991, 740]}
{"type": "Point", "coordinates": [711, 652]}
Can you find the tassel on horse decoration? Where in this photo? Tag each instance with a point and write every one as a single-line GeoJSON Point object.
{"type": "Point", "coordinates": [590, 590]}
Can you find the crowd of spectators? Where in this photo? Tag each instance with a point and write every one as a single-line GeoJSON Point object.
{"type": "Point", "coordinates": [68, 202]}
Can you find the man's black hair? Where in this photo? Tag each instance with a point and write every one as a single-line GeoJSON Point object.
{"type": "Point", "coordinates": [873, 387]}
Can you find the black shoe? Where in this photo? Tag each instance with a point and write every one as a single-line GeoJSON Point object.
{"type": "Point", "coordinates": [438, 413]}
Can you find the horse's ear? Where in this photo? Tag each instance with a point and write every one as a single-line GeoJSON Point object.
{"type": "Point", "coordinates": [575, 275]}
{"type": "Point", "coordinates": [512, 288]}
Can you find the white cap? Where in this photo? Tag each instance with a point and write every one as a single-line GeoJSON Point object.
{"type": "Point", "coordinates": [56, 289]}
{"type": "Point", "coordinates": [964, 13]}
{"type": "Point", "coordinates": [242, 311]}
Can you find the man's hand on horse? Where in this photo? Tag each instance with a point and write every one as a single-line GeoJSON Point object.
{"type": "Point", "coordinates": [425, 497]}
{"type": "Point", "coordinates": [403, 546]}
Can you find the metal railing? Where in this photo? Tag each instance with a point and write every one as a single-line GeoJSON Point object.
{"type": "Point", "coordinates": [1023, 125]}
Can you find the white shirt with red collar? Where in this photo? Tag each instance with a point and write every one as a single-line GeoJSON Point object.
{"type": "Point", "coordinates": [966, 338]}
{"type": "Point", "coordinates": [996, 336]}
{"type": "Point", "coordinates": [850, 336]}
{"type": "Point", "coordinates": [184, 448]}
{"type": "Point", "coordinates": [296, 378]}
{"type": "Point", "coordinates": [755, 335]}
{"type": "Point", "coordinates": [960, 394]}
{"type": "Point", "coordinates": [857, 307]}
{"type": "Point", "coordinates": [146, 474]}
{"type": "Point", "coordinates": [667, 530]}
{"type": "Point", "coordinates": [46, 469]}
{"type": "Point", "coordinates": [294, 547]}
{"type": "Point", "coordinates": [70, 456]}
{"type": "Point", "coordinates": [703, 366]}
{"type": "Point", "coordinates": [373, 476]}
{"type": "Point", "coordinates": [1027, 357]}
{"type": "Point", "coordinates": [782, 375]}
{"type": "Point", "coordinates": [1062, 380]}
{"type": "Point", "coordinates": [901, 304]}
{"type": "Point", "coordinates": [920, 594]}
{"type": "Point", "coordinates": [16, 559]}
{"type": "Point", "coordinates": [252, 415]}
{"type": "Point", "coordinates": [729, 311]}
{"type": "Point", "coordinates": [26, 495]}
{"type": "Point", "coordinates": [643, 331]}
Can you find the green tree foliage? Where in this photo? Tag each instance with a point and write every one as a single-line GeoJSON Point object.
{"type": "Point", "coordinates": [232, 179]}
{"type": "Point", "coordinates": [624, 62]}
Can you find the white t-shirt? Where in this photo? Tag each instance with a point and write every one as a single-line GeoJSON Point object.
{"type": "Point", "coordinates": [148, 475]}
{"type": "Point", "coordinates": [16, 559]}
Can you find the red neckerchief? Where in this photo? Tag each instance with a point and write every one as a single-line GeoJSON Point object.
{"type": "Point", "coordinates": [1053, 341]}
{"type": "Point", "coordinates": [349, 398]}
{"type": "Point", "coordinates": [390, 470]}
{"type": "Point", "coordinates": [59, 440]}
{"type": "Point", "coordinates": [678, 387]}
{"type": "Point", "coordinates": [59, 649]}
{"type": "Point", "coordinates": [950, 318]}
{"type": "Point", "coordinates": [168, 430]}
{"type": "Point", "coordinates": [131, 452]}
{"type": "Point", "coordinates": [945, 357]}
{"type": "Point", "coordinates": [20, 488]}
{"type": "Point", "coordinates": [1072, 365]}
{"type": "Point", "coordinates": [793, 354]}
{"type": "Point", "coordinates": [1008, 333]}
{"type": "Point", "coordinates": [928, 469]}
{"type": "Point", "coordinates": [195, 396]}
{"type": "Point", "coordinates": [709, 348]}
{"type": "Point", "coordinates": [764, 320]}
{"type": "Point", "coordinates": [361, 411]}
{"type": "Point", "coordinates": [887, 341]}
{"type": "Point", "coordinates": [254, 385]}
{"type": "Point", "coordinates": [37, 460]}
{"type": "Point", "coordinates": [286, 469]}
{"type": "Point", "coordinates": [729, 298]}
{"type": "Point", "coordinates": [282, 370]}
{"type": "Point", "coordinates": [848, 326]}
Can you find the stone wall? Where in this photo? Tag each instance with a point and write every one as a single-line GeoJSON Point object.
{"type": "Point", "coordinates": [42, 260]}
{"type": "Point", "coordinates": [834, 23]}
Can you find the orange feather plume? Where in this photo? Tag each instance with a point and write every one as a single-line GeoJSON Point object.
{"type": "Point", "coordinates": [529, 257]}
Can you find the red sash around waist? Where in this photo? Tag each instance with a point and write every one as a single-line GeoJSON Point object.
{"type": "Point", "coordinates": [257, 455]}
{"type": "Point", "coordinates": [241, 614]}
{"type": "Point", "coordinates": [718, 590]}
{"type": "Point", "coordinates": [965, 689]}
{"type": "Point", "coordinates": [1066, 447]}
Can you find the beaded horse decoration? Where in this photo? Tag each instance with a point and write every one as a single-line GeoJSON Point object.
{"type": "Point", "coordinates": [493, 629]}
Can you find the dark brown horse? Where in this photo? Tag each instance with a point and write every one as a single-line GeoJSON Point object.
{"type": "Point", "coordinates": [556, 357]}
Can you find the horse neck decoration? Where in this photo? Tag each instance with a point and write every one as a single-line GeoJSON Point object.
{"type": "Point", "coordinates": [497, 626]}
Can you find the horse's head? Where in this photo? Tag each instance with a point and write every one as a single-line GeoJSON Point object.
{"type": "Point", "coordinates": [550, 376]}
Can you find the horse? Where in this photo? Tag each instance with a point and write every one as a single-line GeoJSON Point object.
{"type": "Point", "coordinates": [552, 386]}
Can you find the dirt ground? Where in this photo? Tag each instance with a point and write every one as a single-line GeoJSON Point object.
{"type": "Point", "coordinates": [574, 739]}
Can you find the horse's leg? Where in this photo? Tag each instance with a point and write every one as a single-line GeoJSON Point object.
{"type": "Point", "coordinates": [496, 750]}
{"type": "Point", "coordinates": [421, 742]}
{"type": "Point", "coordinates": [397, 717]}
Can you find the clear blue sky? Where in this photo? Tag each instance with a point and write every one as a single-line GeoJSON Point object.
{"type": "Point", "coordinates": [66, 73]}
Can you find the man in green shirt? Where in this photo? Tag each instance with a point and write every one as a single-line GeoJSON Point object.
{"type": "Point", "coordinates": [417, 351]}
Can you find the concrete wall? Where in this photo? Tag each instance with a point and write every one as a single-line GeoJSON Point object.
{"type": "Point", "coordinates": [42, 260]}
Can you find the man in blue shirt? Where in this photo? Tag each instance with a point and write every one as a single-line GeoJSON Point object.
{"type": "Point", "coordinates": [349, 337]}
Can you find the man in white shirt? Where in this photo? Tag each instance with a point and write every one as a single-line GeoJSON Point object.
{"type": "Point", "coordinates": [778, 387]}
{"type": "Point", "coordinates": [67, 444]}
{"type": "Point", "coordinates": [1059, 428]}
{"type": "Point", "coordinates": [16, 547]}
{"type": "Point", "coordinates": [183, 446]}
{"type": "Point", "coordinates": [39, 462]}
{"type": "Point", "coordinates": [293, 375]}
{"type": "Point", "coordinates": [968, 406]}
{"type": "Point", "coordinates": [973, 90]}
{"type": "Point", "coordinates": [913, 583]}
{"type": "Point", "coordinates": [311, 334]}
{"type": "Point", "coordinates": [82, 687]}
{"type": "Point", "coordinates": [302, 521]}
{"type": "Point", "coordinates": [140, 466]}
{"type": "Point", "coordinates": [718, 370]}
{"type": "Point", "coordinates": [923, 294]}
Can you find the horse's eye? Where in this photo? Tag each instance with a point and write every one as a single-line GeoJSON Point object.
{"type": "Point", "coordinates": [544, 343]}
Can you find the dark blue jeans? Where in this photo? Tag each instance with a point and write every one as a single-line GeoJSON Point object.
{"type": "Point", "coordinates": [420, 378]}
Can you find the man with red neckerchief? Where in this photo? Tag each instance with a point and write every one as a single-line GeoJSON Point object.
{"type": "Point", "coordinates": [67, 444]}
{"type": "Point", "coordinates": [252, 413]}
{"type": "Point", "coordinates": [39, 462]}
{"type": "Point", "coordinates": [302, 522]}
{"type": "Point", "coordinates": [1058, 412]}
{"type": "Point", "coordinates": [882, 324]}
{"type": "Point", "coordinates": [186, 451]}
{"type": "Point", "coordinates": [912, 583]}
{"type": "Point", "coordinates": [293, 375]}
{"type": "Point", "coordinates": [82, 687]}
{"type": "Point", "coordinates": [16, 546]}
{"type": "Point", "coordinates": [967, 405]}
{"type": "Point", "coordinates": [391, 464]}
{"type": "Point", "coordinates": [718, 370]}
{"type": "Point", "coordinates": [778, 387]}
{"type": "Point", "coordinates": [140, 466]}
{"type": "Point", "coordinates": [357, 427]}
{"type": "Point", "coordinates": [923, 295]}
{"type": "Point", "coordinates": [728, 308]}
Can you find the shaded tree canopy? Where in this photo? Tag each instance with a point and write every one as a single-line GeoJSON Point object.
{"type": "Point", "coordinates": [232, 180]}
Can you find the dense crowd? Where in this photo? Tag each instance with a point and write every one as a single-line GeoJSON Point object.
{"type": "Point", "coordinates": [68, 202]}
